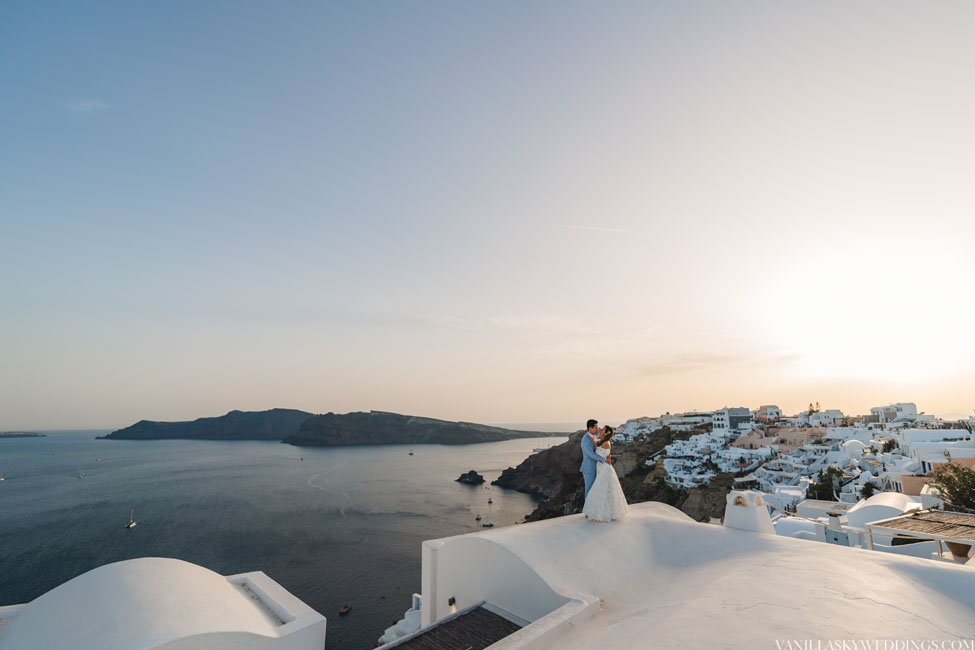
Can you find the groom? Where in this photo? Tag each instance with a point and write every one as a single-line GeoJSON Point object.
{"type": "Point", "coordinates": [589, 455]}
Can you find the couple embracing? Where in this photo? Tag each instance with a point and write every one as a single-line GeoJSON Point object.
{"type": "Point", "coordinates": [604, 496]}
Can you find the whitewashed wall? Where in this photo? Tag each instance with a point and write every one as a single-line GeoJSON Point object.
{"type": "Point", "coordinates": [472, 569]}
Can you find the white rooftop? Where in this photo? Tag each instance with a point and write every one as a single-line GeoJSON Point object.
{"type": "Point", "coordinates": [161, 602]}
{"type": "Point", "coordinates": [659, 579]}
{"type": "Point", "coordinates": [819, 504]}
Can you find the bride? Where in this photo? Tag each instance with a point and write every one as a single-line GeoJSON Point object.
{"type": "Point", "coordinates": [605, 501]}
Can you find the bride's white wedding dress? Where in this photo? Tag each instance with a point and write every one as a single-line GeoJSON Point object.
{"type": "Point", "coordinates": [605, 501]}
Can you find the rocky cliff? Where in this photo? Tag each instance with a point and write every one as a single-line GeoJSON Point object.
{"type": "Point", "coordinates": [706, 502]}
{"type": "Point", "coordinates": [381, 428]}
{"type": "Point", "coordinates": [275, 424]}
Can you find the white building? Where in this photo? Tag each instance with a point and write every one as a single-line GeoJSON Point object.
{"type": "Point", "coordinates": [637, 426]}
{"type": "Point", "coordinates": [653, 576]}
{"type": "Point", "coordinates": [787, 497]}
{"type": "Point", "coordinates": [768, 413]}
{"type": "Point", "coordinates": [941, 453]}
{"type": "Point", "coordinates": [163, 603]}
{"type": "Point", "coordinates": [659, 579]}
{"type": "Point", "coordinates": [861, 433]}
{"type": "Point", "coordinates": [896, 466]}
{"type": "Point", "coordinates": [846, 524]}
{"type": "Point", "coordinates": [910, 440]}
{"type": "Point", "coordinates": [689, 420]}
{"type": "Point", "coordinates": [891, 412]}
{"type": "Point", "coordinates": [827, 418]}
{"type": "Point", "coordinates": [731, 418]}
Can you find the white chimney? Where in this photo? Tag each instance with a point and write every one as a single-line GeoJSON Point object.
{"type": "Point", "coordinates": [745, 510]}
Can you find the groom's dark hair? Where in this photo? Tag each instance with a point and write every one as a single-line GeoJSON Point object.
{"type": "Point", "coordinates": [590, 424]}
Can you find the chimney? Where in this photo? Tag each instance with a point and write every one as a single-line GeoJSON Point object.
{"type": "Point", "coordinates": [745, 510]}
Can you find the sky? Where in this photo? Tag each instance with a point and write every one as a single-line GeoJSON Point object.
{"type": "Point", "coordinates": [499, 212]}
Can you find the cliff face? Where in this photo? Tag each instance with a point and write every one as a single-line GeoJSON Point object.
{"type": "Point", "coordinates": [236, 425]}
{"type": "Point", "coordinates": [542, 473]}
{"type": "Point", "coordinates": [707, 501]}
{"type": "Point", "coordinates": [554, 475]}
{"type": "Point", "coordinates": [381, 428]}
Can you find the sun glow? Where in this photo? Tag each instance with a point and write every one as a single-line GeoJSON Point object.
{"type": "Point", "coordinates": [881, 315]}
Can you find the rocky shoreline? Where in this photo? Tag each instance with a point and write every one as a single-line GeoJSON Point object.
{"type": "Point", "coordinates": [554, 476]}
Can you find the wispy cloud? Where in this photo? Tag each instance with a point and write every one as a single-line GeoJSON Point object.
{"type": "Point", "coordinates": [83, 105]}
{"type": "Point", "coordinates": [697, 361]}
{"type": "Point", "coordinates": [566, 226]}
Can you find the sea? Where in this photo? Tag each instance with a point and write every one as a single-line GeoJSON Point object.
{"type": "Point", "coordinates": [331, 525]}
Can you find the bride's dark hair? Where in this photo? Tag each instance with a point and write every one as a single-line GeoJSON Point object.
{"type": "Point", "coordinates": [606, 436]}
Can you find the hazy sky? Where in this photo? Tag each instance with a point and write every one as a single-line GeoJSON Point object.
{"type": "Point", "coordinates": [495, 211]}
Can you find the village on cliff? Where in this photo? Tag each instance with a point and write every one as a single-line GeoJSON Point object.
{"type": "Point", "coordinates": [822, 474]}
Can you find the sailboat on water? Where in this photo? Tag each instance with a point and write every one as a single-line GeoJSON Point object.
{"type": "Point", "coordinates": [131, 523]}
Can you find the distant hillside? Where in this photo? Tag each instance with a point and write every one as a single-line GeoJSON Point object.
{"type": "Point", "coordinates": [275, 424]}
{"type": "Point", "coordinates": [380, 428]}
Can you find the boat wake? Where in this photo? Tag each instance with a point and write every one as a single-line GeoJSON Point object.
{"type": "Point", "coordinates": [311, 482]}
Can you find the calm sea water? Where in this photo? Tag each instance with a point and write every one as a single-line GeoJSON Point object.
{"type": "Point", "coordinates": [331, 525]}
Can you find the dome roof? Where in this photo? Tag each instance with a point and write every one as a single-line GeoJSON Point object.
{"type": "Point", "coordinates": [890, 499]}
{"type": "Point", "coordinates": [134, 604]}
{"type": "Point", "coordinates": [853, 448]}
{"type": "Point", "coordinates": [880, 506]}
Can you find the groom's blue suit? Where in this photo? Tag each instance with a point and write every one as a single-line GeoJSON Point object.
{"type": "Point", "coordinates": [589, 460]}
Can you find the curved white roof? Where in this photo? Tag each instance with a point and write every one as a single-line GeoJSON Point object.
{"type": "Point", "coordinates": [666, 581]}
{"type": "Point", "coordinates": [134, 604]}
{"type": "Point", "coordinates": [853, 448]}
{"type": "Point", "coordinates": [880, 506]}
{"type": "Point", "coordinates": [890, 499]}
{"type": "Point", "coordinates": [792, 526]}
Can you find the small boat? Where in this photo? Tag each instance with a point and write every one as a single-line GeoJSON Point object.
{"type": "Point", "coordinates": [488, 524]}
{"type": "Point", "coordinates": [478, 517]}
{"type": "Point", "coordinates": [1, 477]}
{"type": "Point", "coordinates": [131, 523]}
{"type": "Point", "coordinates": [345, 609]}
{"type": "Point", "coordinates": [81, 475]}
{"type": "Point", "coordinates": [411, 451]}
{"type": "Point", "coordinates": [490, 500]}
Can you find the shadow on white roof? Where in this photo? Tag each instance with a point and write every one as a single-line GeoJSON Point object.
{"type": "Point", "coordinates": [153, 602]}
